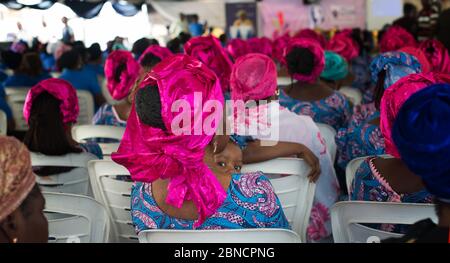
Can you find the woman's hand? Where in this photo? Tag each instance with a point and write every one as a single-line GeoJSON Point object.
{"type": "Point", "coordinates": [306, 154]}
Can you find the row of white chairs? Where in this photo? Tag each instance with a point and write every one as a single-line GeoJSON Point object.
{"type": "Point", "coordinates": [15, 97]}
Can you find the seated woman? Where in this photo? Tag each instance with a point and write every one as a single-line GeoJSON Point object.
{"type": "Point", "coordinates": [423, 121]}
{"type": "Point", "coordinates": [335, 71]}
{"type": "Point", "coordinates": [6, 109]}
{"type": "Point", "coordinates": [29, 73]}
{"type": "Point", "coordinates": [51, 108]}
{"type": "Point", "coordinates": [174, 188]}
{"type": "Point", "coordinates": [78, 76]}
{"type": "Point", "coordinates": [390, 180]}
{"type": "Point", "coordinates": [121, 72]}
{"type": "Point", "coordinates": [151, 57]}
{"type": "Point", "coordinates": [363, 136]}
{"type": "Point", "coordinates": [22, 217]}
{"type": "Point", "coordinates": [308, 96]}
{"type": "Point", "coordinates": [254, 77]}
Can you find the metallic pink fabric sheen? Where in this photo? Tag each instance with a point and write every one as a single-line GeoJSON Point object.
{"type": "Point", "coordinates": [61, 90]}
{"type": "Point", "coordinates": [237, 48]}
{"type": "Point", "coordinates": [437, 55]}
{"type": "Point", "coordinates": [158, 51]}
{"type": "Point", "coordinates": [151, 153]}
{"type": "Point", "coordinates": [254, 76]}
{"type": "Point", "coordinates": [209, 51]}
{"type": "Point", "coordinates": [344, 46]}
{"type": "Point", "coordinates": [309, 33]}
{"type": "Point", "coordinates": [396, 95]}
{"type": "Point", "coordinates": [261, 45]}
{"type": "Point", "coordinates": [395, 38]}
{"type": "Point", "coordinates": [319, 58]}
{"type": "Point", "coordinates": [278, 47]}
{"type": "Point", "coordinates": [128, 77]}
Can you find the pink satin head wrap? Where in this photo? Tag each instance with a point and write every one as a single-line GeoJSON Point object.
{"type": "Point", "coordinates": [261, 45]}
{"type": "Point", "coordinates": [254, 77]}
{"type": "Point", "coordinates": [61, 90]}
{"type": "Point", "coordinates": [278, 47]}
{"type": "Point", "coordinates": [417, 53]}
{"type": "Point", "coordinates": [437, 55]}
{"type": "Point", "coordinates": [16, 175]}
{"type": "Point", "coordinates": [395, 38]}
{"type": "Point", "coordinates": [128, 77]}
{"type": "Point", "coordinates": [309, 33]}
{"type": "Point", "coordinates": [319, 58]}
{"type": "Point", "coordinates": [209, 51]}
{"type": "Point", "coordinates": [156, 50]}
{"type": "Point", "coordinates": [237, 48]}
{"type": "Point", "coordinates": [344, 46]}
{"type": "Point", "coordinates": [150, 153]}
{"type": "Point", "coordinates": [396, 95]}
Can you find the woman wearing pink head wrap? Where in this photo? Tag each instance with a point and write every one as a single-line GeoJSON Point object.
{"type": "Point", "coordinates": [344, 46]}
{"type": "Point", "coordinates": [305, 62]}
{"type": "Point", "coordinates": [254, 77]}
{"type": "Point", "coordinates": [50, 109]}
{"type": "Point", "coordinates": [261, 45]}
{"type": "Point", "coordinates": [22, 217]}
{"type": "Point", "coordinates": [152, 56]}
{"type": "Point", "coordinates": [237, 48]}
{"type": "Point", "coordinates": [121, 72]}
{"type": "Point", "coordinates": [437, 55]}
{"type": "Point", "coordinates": [174, 187]}
{"type": "Point", "coordinates": [389, 179]}
{"type": "Point", "coordinates": [395, 38]}
{"type": "Point", "coordinates": [209, 51]}
{"type": "Point", "coordinates": [309, 33]}
{"type": "Point", "coordinates": [278, 47]}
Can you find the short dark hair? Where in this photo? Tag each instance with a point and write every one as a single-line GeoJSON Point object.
{"type": "Point", "coordinates": [69, 60]}
{"type": "Point", "coordinates": [148, 107]}
{"type": "Point", "coordinates": [140, 46]}
{"type": "Point", "coordinates": [94, 52]}
{"type": "Point", "coordinates": [300, 60]}
{"type": "Point", "coordinates": [408, 8]}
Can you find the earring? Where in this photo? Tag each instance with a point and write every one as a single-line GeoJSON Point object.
{"type": "Point", "coordinates": [15, 240]}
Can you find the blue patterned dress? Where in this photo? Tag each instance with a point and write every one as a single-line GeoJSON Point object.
{"type": "Point", "coordinates": [335, 110]}
{"type": "Point", "coordinates": [106, 115]}
{"type": "Point", "coordinates": [360, 138]}
{"type": "Point", "coordinates": [369, 185]}
{"type": "Point", "coordinates": [92, 147]}
{"type": "Point", "coordinates": [250, 203]}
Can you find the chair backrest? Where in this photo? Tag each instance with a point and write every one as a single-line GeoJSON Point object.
{"type": "Point", "coordinates": [353, 166]}
{"type": "Point", "coordinates": [86, 103]}
{"type": "Point", "coordinates": [296, 192]}
{"type": "Point", "coordinates": [284, 81]}
{"type": "Point", "coordinates": [15, 97]}
{"type": "Point", "coordinates": [115, 195]}
{"type": "Point", "coordinates": [258, 235]}
{"type": "Point", "coordinates": [329, 134]}
{"type": "Point", "coordinates": [76, 181]}
{"type": "Point", "coordinates": [75, 218]}
{"type": "Point", "coordinates": [354, 95]}
{"type": "Point", "coordinates": [346, 219]}
{"type": "Point", "coordinates": [81, 133]}
{"type": "Point", "coordinates": [3, 123]}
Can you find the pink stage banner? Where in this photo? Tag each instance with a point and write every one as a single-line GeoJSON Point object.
{"type": "Point", "coordinates": [279, 17]}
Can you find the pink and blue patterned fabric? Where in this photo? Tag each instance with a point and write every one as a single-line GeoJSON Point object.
{"type": "Point", "coordinates": [250, 203]}
{"type": "Point", "coordinates": [105, 115]}
{"type": "Point", "coordinates": [360, 138]}
{"type": "Point", "coordinates": [335, 110]}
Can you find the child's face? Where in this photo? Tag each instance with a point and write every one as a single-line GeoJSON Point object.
{"type": "Point", "coordinates": [228, 161]}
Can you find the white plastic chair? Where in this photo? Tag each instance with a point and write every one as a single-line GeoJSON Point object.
{"type": "Point", "coordinates": [259, 235]}
{"type": "Point", "coordinates": [75, 181]}
{"type": "Point", "coordinates": [329, 134]}
{"type": "Point", "coordinates": [353, 166]}
{"type": "Point", "coordinates": [3, 123]}
{"type": "Point", "coordinates": [75, 219]}
{"type": "Point", "coordinates": [81, 133]}
{"type": "Point", "coordinates": [347, 216]}
{"type": "Point", "coordinates": [86, 103]}
{"type": "Point", "coordinates": [115, 196]}
{"type": "Point", "coordinates": [296, 192]}
{"type": "Point", "coordinates": [284, 81]}
{"type": "Point", "coordinates": [15, 97]}
{"type": "Point", "coordinates": [354, 95]}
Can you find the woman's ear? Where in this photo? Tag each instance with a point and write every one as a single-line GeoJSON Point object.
{"type": "Point", "coordinates": [12, 226]}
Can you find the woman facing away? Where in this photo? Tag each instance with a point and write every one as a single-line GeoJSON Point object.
{"type": "Point", "coordinates": [254, 78]}
{"type": "Point", "coordinates": [389, 179]}
{"type": "Point", "coordinates": [308, 96]}
{"type": "Point", "coordinates": [421, 135]}
{"type": "Point", "coordinates": [174, 187]}
{"type": "Point", "coordinates": [363, 136]}
{"type": "Point", "coordinates": [29, 73]}
{"type": "Point", "coordinates": [22, 205]}
{"type": "Point", "coordinates": [51, 108]}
